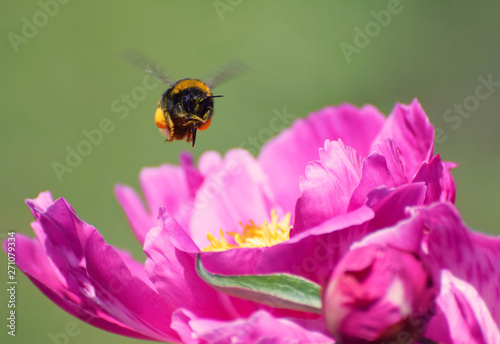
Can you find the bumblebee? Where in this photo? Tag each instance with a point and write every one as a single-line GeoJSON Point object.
{"type": "Point", "coordinates": [187, 105]}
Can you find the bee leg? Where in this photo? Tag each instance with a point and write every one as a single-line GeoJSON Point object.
{"type": "Point", "coordinates": [171, 128]}
{"type": "Point", "coordinates": [166, 133]}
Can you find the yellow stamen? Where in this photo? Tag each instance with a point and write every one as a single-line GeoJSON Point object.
{"type": "Point", "coordinates": [268, 234]}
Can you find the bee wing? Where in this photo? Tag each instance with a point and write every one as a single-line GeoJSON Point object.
{"type": "Point", "coordinates": [144, 63]}
{"type": "Point", "coordinates": [225, 73]}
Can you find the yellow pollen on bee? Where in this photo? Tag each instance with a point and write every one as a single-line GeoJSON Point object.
{"type": "Point", "coordinates": [265, 235]}
{"type": "Point", "coordinates": [160, 120]}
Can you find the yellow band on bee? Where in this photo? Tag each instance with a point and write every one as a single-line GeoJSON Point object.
{"type": "Point", "coordinates": [188, 83]}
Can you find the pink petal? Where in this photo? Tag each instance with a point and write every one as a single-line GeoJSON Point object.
{"type": "Point", "coordinates": [449, 182]}
{"type": "Point", "coordinates": [474, 273]}
{"type": "Point", "coordinates": [170, 265]}
{"type": "Point", "coordinates": [168, 186]}
{"type": "Point", "coordinates": [209, 162]}
{"type": "Point", "coordinates": [465, 314]}
{"type": "Point", "coordinates": [45, 277]}
{"type": "Point", "coordinates": [438, 178]}
{"type": "Point", "coordinates": [285, 157]}
{"type": "Point", "coordinates": [378, 170]}
{"type": "Point", "coordinates": [464, 263]}
{"type": "Point", "coordinates": [409, 127]}
{"type": "Point", "coordinates": [137, 215]}
{"type": "Point", "coordinates": [395, 165]}
{"type": "Point", "coordinates": [90, 279]}
{"type": "Point", "coordinates": [126, 295]}
{"type": "Point", "coordinates": [241, 261]}
{"type": "Point", "coordinates": [327, 186]}
{"type": "Point", "coordinates": [353, 218]}
{"type": "Point", "coordinates": [194, 178]}
{"type": "Point", "coordinates": [135, 268]}
{"type": "Point", "coordinates": [43, 201]}
{"type": "Point", "coordinates": [403, 236]}
{"type": "Point", "coordinates": [260, 327]}
{"type": "Point", "coordinates": [224, 197]}
{"type": "Point", "coordinates": [390, 206]}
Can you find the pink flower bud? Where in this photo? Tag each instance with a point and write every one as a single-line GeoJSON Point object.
{"type": "Point", "coordinates": [379, 295]}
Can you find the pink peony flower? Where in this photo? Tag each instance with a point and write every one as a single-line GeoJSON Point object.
{"type": "Point", "coordinates": [368, 172]}
{"type": "Point", "coordinates": [461, 264]}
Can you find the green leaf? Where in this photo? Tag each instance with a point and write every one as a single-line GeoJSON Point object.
{"type": "Point", "coordinates": [284, 291]}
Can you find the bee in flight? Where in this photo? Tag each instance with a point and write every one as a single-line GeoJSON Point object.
{"type": "Point", "coordinates": [188, 104]}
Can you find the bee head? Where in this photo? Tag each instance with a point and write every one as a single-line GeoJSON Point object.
{"type": "Point", "coordinates": [198, 107]}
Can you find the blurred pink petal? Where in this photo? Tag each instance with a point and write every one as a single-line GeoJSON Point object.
{"type": "Point", "coordinates": [260, 327]}
{"type": "Point", "coordinates": [470, 275]}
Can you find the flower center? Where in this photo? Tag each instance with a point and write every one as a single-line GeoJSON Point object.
{"type": "Point", "coordinates": [268, 234]}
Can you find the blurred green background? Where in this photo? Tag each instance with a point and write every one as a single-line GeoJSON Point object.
{"type": "Point", "coordinates": [63, 76]}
